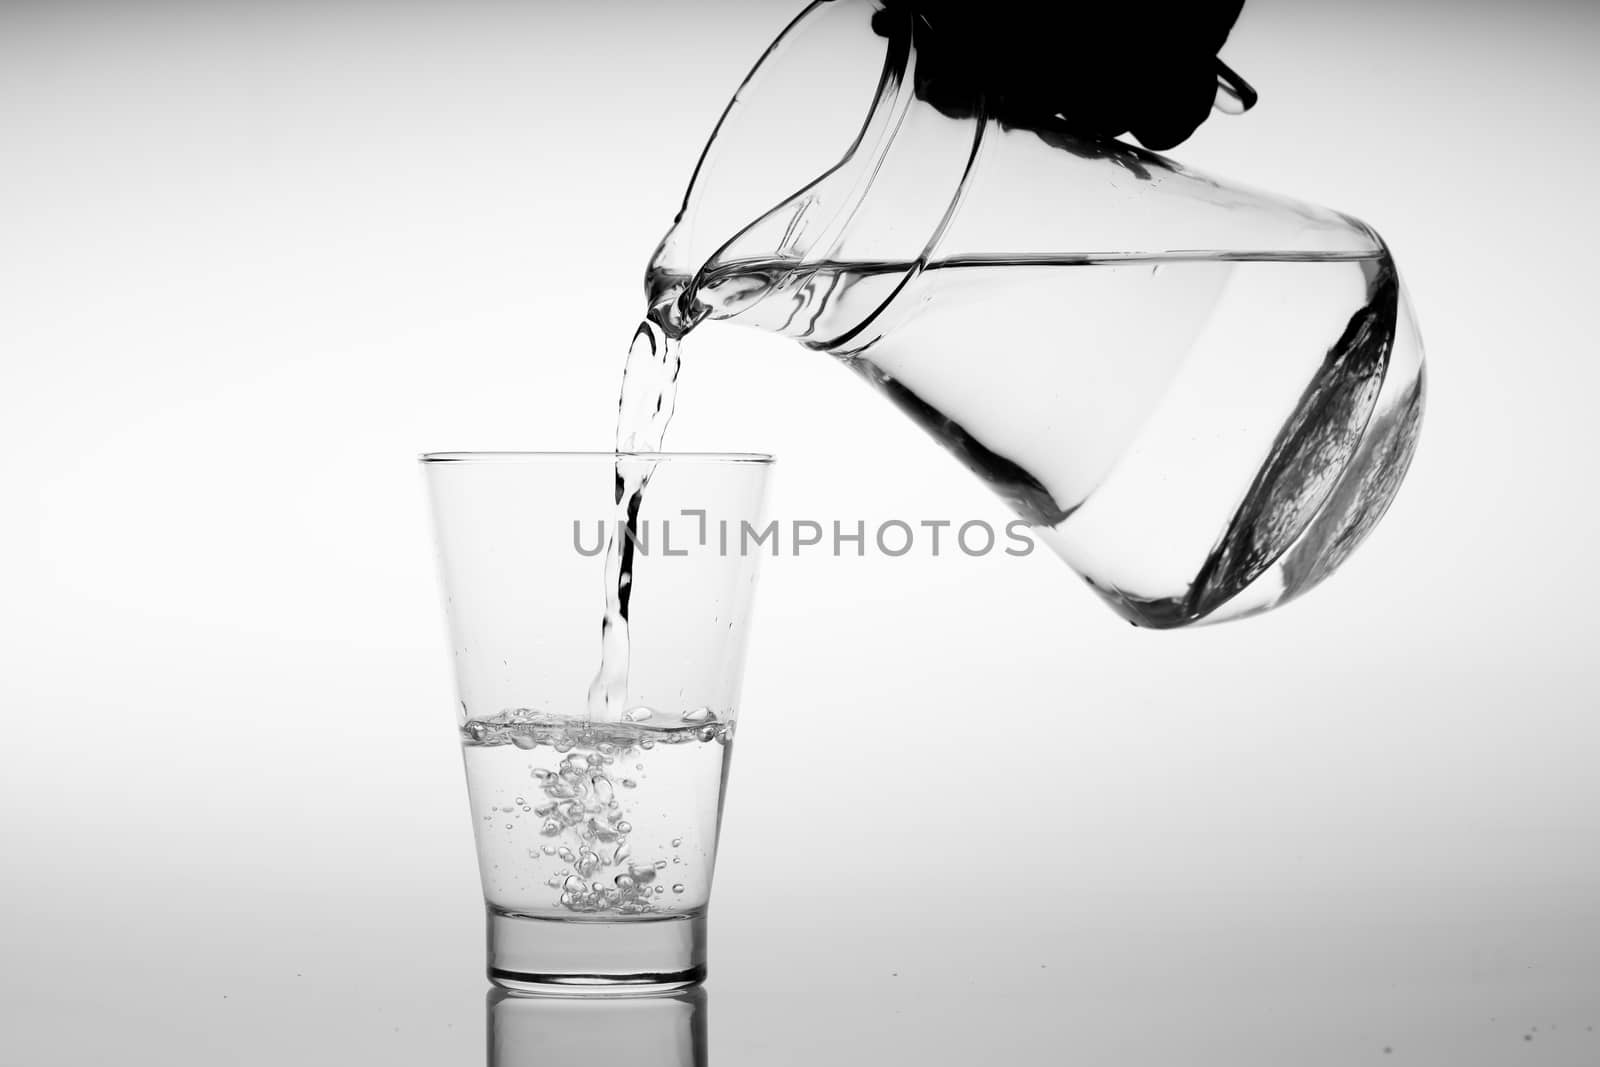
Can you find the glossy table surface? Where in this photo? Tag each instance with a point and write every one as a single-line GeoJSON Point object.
{"type": "Point", "coordinates": [1449, 979]}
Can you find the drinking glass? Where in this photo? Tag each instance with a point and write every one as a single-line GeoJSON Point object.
{"type": "Point", "coordinates": [596, 796]}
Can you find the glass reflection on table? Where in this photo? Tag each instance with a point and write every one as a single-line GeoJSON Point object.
{"type": "Point", "coordinates": [668, 1030]}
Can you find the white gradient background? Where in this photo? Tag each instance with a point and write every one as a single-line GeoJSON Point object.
{"type": "Point", "coordinates": [255, 257]}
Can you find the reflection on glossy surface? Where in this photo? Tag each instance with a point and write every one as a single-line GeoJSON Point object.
{"type": "Point", "coordinates": [651, 1031]}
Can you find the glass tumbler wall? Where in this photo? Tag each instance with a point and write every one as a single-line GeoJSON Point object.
{"type": "Point", "coordinates": [596, 788]}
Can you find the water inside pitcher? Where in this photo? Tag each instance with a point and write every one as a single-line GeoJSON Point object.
{"type": "Point", "coordinates": [1203, 397]}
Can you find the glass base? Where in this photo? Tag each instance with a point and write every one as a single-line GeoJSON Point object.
{"type": "Point", "coordinates": [654, 954]}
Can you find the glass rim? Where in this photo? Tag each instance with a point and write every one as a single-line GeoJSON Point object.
{"type": "Point", "coordinates": [585, 456]}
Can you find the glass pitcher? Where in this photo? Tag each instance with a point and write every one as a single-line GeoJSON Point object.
{"type": "Point", "coordinates": [1202, 396]}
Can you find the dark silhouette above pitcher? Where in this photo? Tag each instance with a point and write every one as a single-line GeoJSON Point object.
{"type": "Point", "coordinates": [1099, 70]}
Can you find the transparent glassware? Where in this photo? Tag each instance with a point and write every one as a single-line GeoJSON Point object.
{"type": "Point", "coordinates": [1202, 396]}
{"type": "Point", "coordinates": [596, 837]}
{"type": "Point", "coordinates": [663, 1030]}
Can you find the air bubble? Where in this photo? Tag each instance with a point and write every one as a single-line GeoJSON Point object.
{"type": "Point", "coordinates": [624, 827]}
{"type": "Point", "coordinates": [602, 788]}
{"type": "Point", "coordinates": [639, 714]}
{"type": "Point", "coordinates": [661, 865]}
{"type": "Point", "coordinates": [677, 842]}
{"type": "Point", "coordinates": [624, 883]}
{"type": "Point", "coordinates": [525, 741]}
{"type": "Point", "coordinates": [678, 888]}
{"type": "Point", "coordinates": [699, 715]}
{"type": "Point", "coordinates": [550, 828]}
{"type": "Point", "coordinates": [629, 783]}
